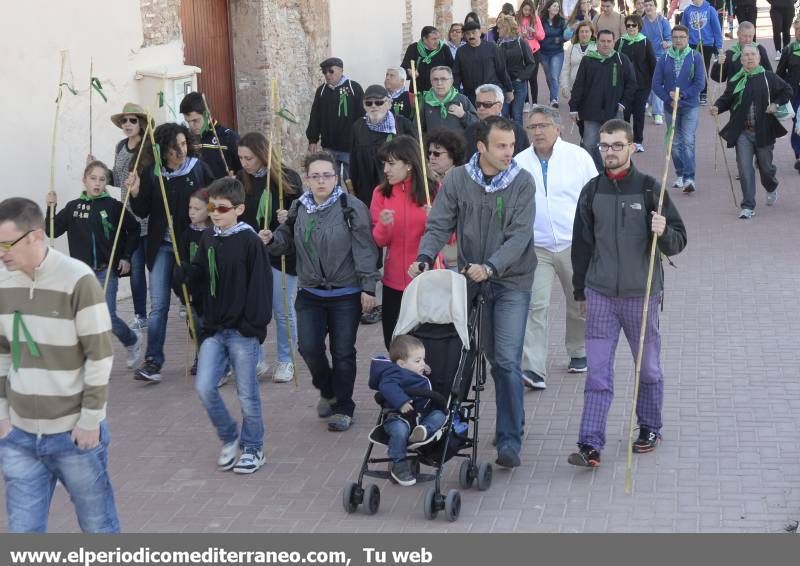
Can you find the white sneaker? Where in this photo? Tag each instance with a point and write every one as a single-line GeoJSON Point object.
{"type": "Point", "coordinates": [679, 183]}
{"type": "Point", "coordinates": [262, 369]}
{"type": "Point", "coordinates": [778, 56]}
{"type": "Point", "coordinates": [284, 372]}
{"type": "Point", "coordinates": [658, 120]}
{"type": "Point", "coordinates": [746, 213]}
{"type": "Point", "coordinates": [138, 323]}
{"type": "Point", "coordinates": [182, 312]}
{"type": "Point", "coordinates": [134, 351]}
{"type": "Point", "coordinates": [772, 197]}
{"type": "Point", "coordinates": [250, 461]}
{"type": "Point", "coordinates": [639, 147]}
{"type": "Point", "coordinates": [227, 456]}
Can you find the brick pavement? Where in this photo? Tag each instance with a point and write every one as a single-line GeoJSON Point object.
{"type": "Point", "coordinates": [729, 462]}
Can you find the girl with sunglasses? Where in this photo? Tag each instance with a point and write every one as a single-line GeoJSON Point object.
{"type": "Point", "coordinates": [640, 51]}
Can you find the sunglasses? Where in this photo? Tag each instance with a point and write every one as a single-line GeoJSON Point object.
{"type": "Point", "coordinates": [631, 25]}
{"type": "Point", "coordinates": [6, 246]}
{"type": "Point", "coordinates": [436, 154]}
{"type": "Point", "coordinates": [222, 209]}
{"type": "Point", "coordinates": [486, 105]}
{"type": "Point", "coordinates": [371, 103]}
{"type": "Point", "coordinates": [130, 120]}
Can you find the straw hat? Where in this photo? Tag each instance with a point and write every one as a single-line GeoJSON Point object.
{"type": "Point", "coordinates": [130, 109]}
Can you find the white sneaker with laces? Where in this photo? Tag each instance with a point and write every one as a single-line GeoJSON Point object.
{"type": "Point", "coordinates": [679, 183]}
{"type": "Point", "coordinates": [746, 213]}
{"type": "Point", "coordinates": [262, 369]}
{"type": "Point", "coordinates": [227, 456]}
{"type": "Point", "coordinates": [284, 372]}
{"type": "Point", "coordinates": [134, 351]}
{"type": "Point", "coordinates": [250, 461]}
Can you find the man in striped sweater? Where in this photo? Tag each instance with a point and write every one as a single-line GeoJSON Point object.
{"type": "Point", "coordinates": [55, 361]}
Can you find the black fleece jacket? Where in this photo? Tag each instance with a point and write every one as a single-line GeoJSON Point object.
{"type": "Point", "coordinates": [442, 59]}
{"type": "Point", "coordinates": [330, 123]}
{"type": "Point", "coordinates": [643, 60]}
{"type": "Point", "coordinates": [595, 94]}
{"type": "Point", "coordinates": [90, 225]}
{"type": "Point", "coordinates": [611, 236]}
{"type": "Point", "coordinates": [475, 66]}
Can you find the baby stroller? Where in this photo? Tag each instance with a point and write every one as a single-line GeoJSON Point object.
{"type": "Point", "coordinates": [434, 309]}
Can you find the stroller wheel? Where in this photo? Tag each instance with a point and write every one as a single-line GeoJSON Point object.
{"type": "Point", "coordinates": [429, 503]}
{"type": "Point", "coordinates": [466, 474]}
{"type": "Point", "coordinates": [452, 505]}
{"type": "Point", "coordinates": [372, 499]}
{"type": "Point", "coordinates": [484, 476]}
{"type": "Point", "coordinates": [350, 497]}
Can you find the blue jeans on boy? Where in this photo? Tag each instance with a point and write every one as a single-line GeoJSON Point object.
{"type": "Point", "coordinates": [338, 319]}
{"type": "Point", "coordinates": [552, 63]}
{"type": "Point", "coordinates": [283, 318]}
{"type": "Point", "coordinates": [504, 318]}
{"type": "Point", "coordinates": [121, 330]}
{"type": "Point", "coordinates": [398, 431]}
{"type": "Point", "coordinates": [216, 353]}
{"type": "Point", "coordinates": [514, 110]}
{"type": "Point", "coordinates": [160, 291]}
{"type": "Point", "coordinates": [683, 142]}
{"type": "Point", "coordinates": [139, 280]}
{"type": "Point", "coordinates": [31, 466]}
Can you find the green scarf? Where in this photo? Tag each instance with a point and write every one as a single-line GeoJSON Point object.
{"type": "Point", "coordinates": [16, 346]}
{"type": "Point", "coordinates": [598, 56]}
{"type": "Point", "coordinates": [737, 50]}
{"type": "Point", "coordinates": [264, 213]}
{"type": "Point", "coordinates": [342, 103]}
{"type": "Point", "coordinates": [213, 274]}
{"type": "Point", "coordinates": [424, 56]}
{"type": "Point", "coordinates": [86, 198]}
{"type": "Point", "coordinates": [432, 100]}
{"type": "Point", "coordinates": [795, 45]}
{"type": "Point", "coordinates": [678, 57]}
{"type": "Point", "coordinates": [635, 39]}
{"type": "Point", "coordinates": [741, 79]}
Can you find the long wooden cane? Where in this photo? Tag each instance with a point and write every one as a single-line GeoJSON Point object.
{"type": "Point", "coordinates": [725, 159]}
{"type": "Point", "coordinates": [125, 207]}
{"type": "Point", "coordinates": [174, 240]}
{"type": "Point", "coordinates": [213, 124]}
{"type": "Point", "coordinates": [646, 308]}
{"type": "Point", "coordinates": [52, 206]}
{"type": "Point", "coordinates": [91, 75]}
{"type": "Point", "coordinates": [422, 158]}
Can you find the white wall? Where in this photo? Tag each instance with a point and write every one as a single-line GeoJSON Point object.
{"type": "Point", "coordinates": [367, 35]}
{"type": "Point", "coordinates": [460, 9]}
{"type": "Point", "coordinates": [37, 30]}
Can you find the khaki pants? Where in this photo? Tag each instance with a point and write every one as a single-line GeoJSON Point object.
{"type": "Point", "coordinates": [534, 353]}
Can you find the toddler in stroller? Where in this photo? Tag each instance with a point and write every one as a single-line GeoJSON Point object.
{"type": "Point", "coordinates": [411, 420]}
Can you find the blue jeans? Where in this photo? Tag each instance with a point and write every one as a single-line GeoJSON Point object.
{"type": "Point", "coordinates": [139, 280]}
{"type": "Point", "coordinates": [216, 353]}
{"type": "Point", "coordinates": [160, 291]}
{"type": "Point", "coordinates": [121, 330]}
{"type": "Point", "coordinates": [342, 163]}
{"type": "Point", "coordinates": [656, 104]}
{"type": "Point", "coordinates": [31, 466]}
{"type": "Point", "coordinates": [338, 319]}
{"type": "Point", "coordinates": [591, 137]}
{"type": "Point", "coordinates": [552, 71]}
{"type": "Point", "coordinates": [683, 142]}
{"type": "Point", "coordinates": [284, 319]}
{"type": "Point", "coordinates": [398, 431]}
{"type": "Point", "coordinates": [514, 110]}
{"type": "Point", "coordinates": [504, 320]}
{"type": "Point", "coordinates": [794, 138]}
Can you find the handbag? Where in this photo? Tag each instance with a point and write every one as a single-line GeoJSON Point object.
{"type": "Point", "coordinates": [785, 112]}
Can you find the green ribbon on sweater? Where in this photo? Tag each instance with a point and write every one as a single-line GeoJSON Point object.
{"type": "Point", "coordinates": [108, 227]}
{"type": "Point", "coordinates": [795, 47]}
{"type": "Point", "coordinates": [432, 100]}
{"type": "Point", "coordinates": [500, 210]}
{"type": "Point", "coordinates": [213, 274]}
{"type": "Point", "coordinates": [16, 346]}
{"type": "Point", "coordinates": [424, 56]}
{"type": "Point", "coordinates": [342, 111]}
{"type": "Point", "coordinates": [192, 250]}
{"type": "Point", "coordinates": [159, 163]}
{"type": "Point", "coordinates": [307, 244]}
{"type": "Point", "coordinates": [741, 78]}
{"type": "Point", "coordinates": [264, 207]}
{"type": "Point", "coordinates": [630, 40]}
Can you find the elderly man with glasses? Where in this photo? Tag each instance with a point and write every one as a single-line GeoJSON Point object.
{"type": "Point", "coordinates": [489, 102]}
{"type": "Point", "coordinates": [443, 106]}
{"type": "Point", "coordinates": [560, 169]}
{"type": "Point", "coordinates": [337, 104]}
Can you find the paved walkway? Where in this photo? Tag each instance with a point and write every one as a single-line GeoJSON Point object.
{"type": "Point", "coordinates": [729, 462]}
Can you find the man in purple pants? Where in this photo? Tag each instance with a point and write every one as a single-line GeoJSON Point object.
{"type": "Point", "coordinates": [615, 219]}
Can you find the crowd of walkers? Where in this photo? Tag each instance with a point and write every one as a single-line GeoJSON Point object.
{"type": "Point", "coordinates": [491, 190]}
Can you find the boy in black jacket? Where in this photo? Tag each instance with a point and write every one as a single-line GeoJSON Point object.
{"type": "Point", "coordinates": [413, 419]}
{"type": "Point", "coordinates": [91, 222]}
{"type": "Point", "coordinates": [231, 272]}
{"type": "Point", "coordinates": [211, 137]}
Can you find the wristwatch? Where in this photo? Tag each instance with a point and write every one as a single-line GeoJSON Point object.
{"type": "Point", "coordinates": [489, 271]}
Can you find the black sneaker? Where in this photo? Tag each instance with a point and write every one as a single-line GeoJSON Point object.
{"type": "Point", "coordinates": [533, 380]}
{"type": "Point", "coordinates": [401, 473]}
{"type": "Point", "coordinates": [647, 441]}
{"type": "Point", "coordinates": [689, 187]}
{"type": "Point", "coordinates": [373, 316]}
{"type": "Point", "coordinates": [507, 458]}
{"type": "Point", "coordinates": [149, 372]}
{"type": "Point", "coordinates": [577, 365]}
{"type": "Point", "coordinates": [586, 457]}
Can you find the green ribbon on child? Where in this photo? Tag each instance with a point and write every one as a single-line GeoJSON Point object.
{"type": "Point", "coordinates": [192, 250]}
{"type": "Point", "coordinates": [213, 274]}
{"type": "Point", "coordinates": [108, 227]}
{"type": "Point", "coordinates": [16, 346]}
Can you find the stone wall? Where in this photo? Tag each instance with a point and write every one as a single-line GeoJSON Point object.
{"type": "Point", "coordinates": [443, 16]}
{"type": "Point", "coordinates": [481, 7]}
{"type": "Point", "coordinates": [161, 22]}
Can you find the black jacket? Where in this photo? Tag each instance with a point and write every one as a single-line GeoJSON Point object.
{"type": "Point", "coordinates": [403, 105]}
{"type": "Point", "coordinates": [90, 225]}
{"type": "Point", "coordinates": [643, 59]}
{"type": "Point", "coordinates": [518, 58]}
{"type": "Point", "coordinates": [767, 126]}
{"type": "Point", "coordinates": [442, 59]}
{"type": "Point", "coordinates": [521, 142]}
{"type": "Point", "coordinates": [594, 95]}
{"type": "Point", "coordinates": [150, 203]}
{"type": "Point", "coordinates": [187, 249]}
{"type": "Point", "coordinates": [253, 198]}
{"type": "Point", "coordinates": [789, 68]}
{"type": "Point", "coordinates": [732, 67]}
{"type": "Point", "coordinates": [210, 154]}
{"type": "Point", "coordinates": [366, 171]}
{"type": "Point", "coordinates": [611, 236]}
{"type": "Point", "coordinates": [475, 66]}
{"type": "Point", "coordinates": [239, 296]}
{"type": "Point", "coordinates": [330, 124]}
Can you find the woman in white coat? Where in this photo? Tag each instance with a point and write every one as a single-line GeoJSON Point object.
{"type": "Point", "coordinates": [583, 41]}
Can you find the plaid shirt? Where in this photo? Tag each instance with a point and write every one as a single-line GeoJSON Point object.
{"type": "Point", "coordinates": [387, 126]}
{"type": "Point", "coordinates": [498, 182]}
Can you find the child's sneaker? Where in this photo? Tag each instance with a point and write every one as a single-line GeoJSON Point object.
{"type": "Point", "coordinates": [134, 351]}
{"type": "Point", "coordinates": [419, 434]}
{"type": "Point", "coordinates": [586, 457]}
{"type": "Point", "coordinates": [401, 473]}
{"type": "Point", "coordinates": [250, 461]}
{"type": "Point", "coordinates": [227, 456]}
